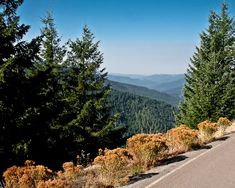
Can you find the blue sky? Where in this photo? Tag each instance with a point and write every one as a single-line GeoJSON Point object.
{"type": "Point", "coordinates": [137, 36]}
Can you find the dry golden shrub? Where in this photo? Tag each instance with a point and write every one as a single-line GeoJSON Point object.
{"type": "Point", "coordinates": [224, 126]}
{"type": "Point", "coordinates": [182, 139]}
{"type": "Point", "coordinates": [230, 129]}
{"type": "Point", "coordinates": [207, 131]}
{"type": "Point", "coordinates": [223, 121]}
{"type": "Point", "coordinates": [114, 166]}
{"type": "Point", "coordinates": [220, 132]}
{"type": "Point", "coordinates": [27, 176]}
{"type": "Point", "coordinates": [147, 149]}
{"type": "Point", "coordinates": [208, 126]}
{"type": "Point", "coordinates": [54, 183]}
{"type": "Point", "coordinates": [71, 171]}
{"type": "Point", "coordinates": [74, 177]}
{"type": "Point", "coordinates": [31, 176]}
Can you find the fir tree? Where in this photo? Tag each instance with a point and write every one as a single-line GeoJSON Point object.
{"type": "Point", "coordinates": [209, 90]}
{"type": "Point", "coordinates": [30, 90]}
{"type": "Point", "coordinates": [48, 96]}
{"type": "Point", "coordinates": [90, 124]}
{"type": "Point", "coordinates": [17, 59]}
{"type": "Point", "coordinates": [52, 52]}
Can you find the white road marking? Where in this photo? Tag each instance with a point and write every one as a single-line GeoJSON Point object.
{"type": "Point", "coordinates": [178, 168]}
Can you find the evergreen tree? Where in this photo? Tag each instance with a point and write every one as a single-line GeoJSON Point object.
{"type": "Point", "coordinates": [48, 97]}
{"type": "Point", "coordinates": [52, 52]}
{"type": "Point", "coordinates": [30, 91]}
{"type": "Point", "coordinates": [17, 59]}
{"type": "Point", "coordinates": [209, 91]}
{"type": "Point", "coordinates": [89, 123]}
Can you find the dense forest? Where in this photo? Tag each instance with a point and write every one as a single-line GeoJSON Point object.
{"type": "Point", "coordinates": [141, 114]}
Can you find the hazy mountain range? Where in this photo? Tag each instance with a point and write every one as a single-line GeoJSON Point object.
{"type": "Point", "coordinates": [170, 84]}
{"type": "Point", "coordinates": [145, 92]}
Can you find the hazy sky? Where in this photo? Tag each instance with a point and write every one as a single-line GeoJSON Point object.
{"type": "Point", "coordinates": [137, 36]}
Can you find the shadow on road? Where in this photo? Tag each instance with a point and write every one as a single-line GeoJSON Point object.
{"type": "Point", "coordinates": [174, 159]}
{"type": "Point", "coordinates": [210, 146]}
{"type": "Point", "coordinates": [205, 147]}
{"type": "Point", "coordinates": [223, 138]}
{"type": "Point", "coordinates": [141, 177]}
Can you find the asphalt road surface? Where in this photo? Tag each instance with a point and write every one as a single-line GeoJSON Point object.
{"type": "Point", "coordinates": [212, 167]}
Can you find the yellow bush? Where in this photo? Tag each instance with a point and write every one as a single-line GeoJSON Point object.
{"type": "Point", "coordinates": [230, 129]}
{"type": "Point", "coordinates": [70, 170]}
{"type": "Point", "coordinates": [55, 183]}
{"type": "Point", "coordinates": [38, 176]}
{"type": "Point", "coordinates": [208, 126]}
{"type": "Point", "coordinates": [223, 121]}
{"type": "Point", "coordinates": [114, 166]}
{"type": "Point", "coordinates": [66, 178]}
{"type": "Point", "coordinates": [147, 149]}
{"type": "Point", "coordinates": [27, 176]}
{"type": "Point", "coordinates": [182, 138]}
{"type": "Point", "coordinates": [207, 130]}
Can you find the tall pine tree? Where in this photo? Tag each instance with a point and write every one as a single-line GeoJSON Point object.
{"type": "Point", "coordinates": [52, 52]}
{"type": "Point", "coordinates": [17, 59]}
{"type": "Point", "coordinates": [30, 91]}
{"type": "Point", "coordinates": [48, 96]}
{"type": "Point", "coordinates": [90, 124]}
{"type": "Point", "coordinates": [209, 91]}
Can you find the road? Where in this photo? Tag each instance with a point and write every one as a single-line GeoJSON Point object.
{"type": "Point", "coordinates": [212, 167]}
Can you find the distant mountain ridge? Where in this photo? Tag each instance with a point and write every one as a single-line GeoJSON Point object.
{"type": "Point", "coordinates": [171, 84]}
{"type": "Point", "coordinates": [145, 92]}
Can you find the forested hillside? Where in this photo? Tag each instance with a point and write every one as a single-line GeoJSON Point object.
{"type": "Point", "coordinates": [166, 83]}
{"type": "Point", "coordinates": [141, 114]}
{"type": "Point", "coordinates": [145, 92]}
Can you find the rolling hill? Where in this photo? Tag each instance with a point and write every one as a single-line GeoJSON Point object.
{"type": "Point", "coordinates": [167, 83]}
{"type": "Point", "coordinates": [145, 92]}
